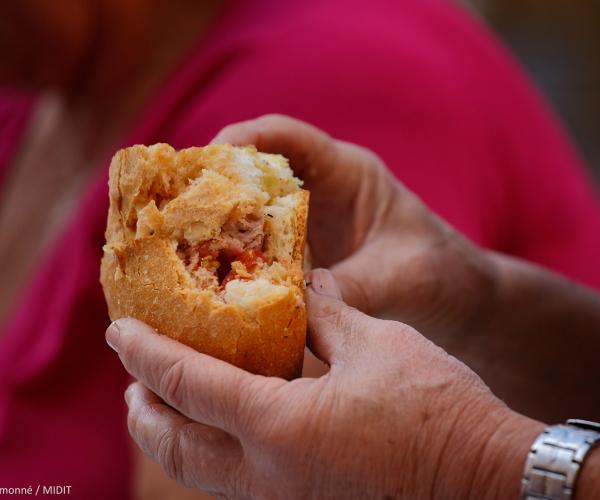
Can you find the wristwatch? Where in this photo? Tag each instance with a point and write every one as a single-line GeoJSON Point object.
{"type": "Point", "coordinates": [555, 459]}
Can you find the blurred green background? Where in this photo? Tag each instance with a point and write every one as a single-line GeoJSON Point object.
{"type": "Point", "coordinates": [558, 41]}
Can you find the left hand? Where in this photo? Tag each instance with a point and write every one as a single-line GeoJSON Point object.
{"type": "Point", "coordinates": [395, 416]}
{"type": "Point", "coordinates": [388, 252]}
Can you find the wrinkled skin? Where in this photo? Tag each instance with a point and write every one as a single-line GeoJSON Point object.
{"type": "Point", "coordinates": [396, 416]}
{"type": "Point", "coordinates": [388, 252]}
{"type": "Point", "coordinates": [381, 424]}
{"type": "Point", "coordinates": [394, 258]}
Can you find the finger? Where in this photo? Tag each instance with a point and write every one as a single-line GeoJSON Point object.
{"type": "Point", "coordinates": [203, 388]}
{"type": "Point", "coordinates": [305, 146]}
{"type": "Point", "coordinates": [193, 454]}
{"type": "Point", "coordinates": [319, 160]}
{"type": "Point", "coordinates": [337, 332]}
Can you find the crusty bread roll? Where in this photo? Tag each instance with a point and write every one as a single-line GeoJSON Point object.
{"type": "Point", "coordinates": [206, 246]}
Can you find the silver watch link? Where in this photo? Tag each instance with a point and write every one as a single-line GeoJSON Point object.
{"type": "Point", "coordinates": [555, 459]}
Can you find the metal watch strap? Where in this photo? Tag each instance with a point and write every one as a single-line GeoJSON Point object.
{"type": "Point", "coordinates": [555, 459]}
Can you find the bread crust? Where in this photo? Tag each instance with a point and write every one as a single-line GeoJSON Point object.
{"type": "Point", "coordinates": [143, 277]}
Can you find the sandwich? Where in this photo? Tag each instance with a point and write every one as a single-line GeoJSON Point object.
{"type": "Point", "coordinates": [206, 246]}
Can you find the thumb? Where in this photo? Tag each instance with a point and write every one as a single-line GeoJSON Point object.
{"type": "Point", "coordinates": [337, 332]}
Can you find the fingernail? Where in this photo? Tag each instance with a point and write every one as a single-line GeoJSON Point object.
{"type": "Point", "coordinates": [323, 283]}
{"type": "Point", "coordinates": [112, 336]}
{"type": "Point", "coordinates": [128, 394]}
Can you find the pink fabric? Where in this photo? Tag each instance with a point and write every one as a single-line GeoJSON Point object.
{"type": "Point", "coordinates": [416, 81]}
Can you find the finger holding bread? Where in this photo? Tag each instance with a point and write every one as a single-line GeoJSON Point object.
{"type": "Point", "coordinates": [321, 161]}
{"type": "Point", "coordinates": [199, 387]}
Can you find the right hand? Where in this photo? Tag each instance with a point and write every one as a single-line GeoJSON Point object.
{"type": "Point", "coordinates": [388, 252]}
{"type": "Point", "coordinates": [396, 417]}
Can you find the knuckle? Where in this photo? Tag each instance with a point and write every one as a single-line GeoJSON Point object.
{"type": "Point", "coordinates": [266, 126]}
{"type": "Point", "coordinates": [168, 453]}
{"type": "Point", "coordinates": [370, 157]}
{"type": "Point", "coordinates": [345, 318]}
{"type": "Point", "coordinates": [129, 350]}
{"type": "Point", "coordinates": [327, 313]}
{"type": "Point", "coordinates": [164, 447]}
{"type": "Point", "coordinates": [366, 156]}
{"type": "Point", "coordinates": [338, 318]}
{"type": "Point", "coordinates": [262, 126]}
{"type": "Point", "coordinates": [236, 132]}
{"type": "Point", "coordinates": [172, 383]}
{"type": "Point", "coordinates": [270, 119]}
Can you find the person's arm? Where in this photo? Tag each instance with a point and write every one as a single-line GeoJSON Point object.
{"type": "Point", "coordinates": [502, 465]}
{"type": "Point", "coordinates": [588, 483]}
{"type": "Point", "coordinates": [539, 334]}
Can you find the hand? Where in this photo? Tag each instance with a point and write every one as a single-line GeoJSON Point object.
{"type": "Point", "coordinates": [505, 318]}
{"type": "Point", "coordinates": [387, 251]}
{"type": "Point", "coordinates": [395, 417]}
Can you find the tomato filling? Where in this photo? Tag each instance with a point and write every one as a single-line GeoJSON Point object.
{"type": "Point", "coordinates": [220, 259]}
{"type": "Point", "coordinates": [240, 242]}
{"type": "Point", "coordinates": [249, 258]}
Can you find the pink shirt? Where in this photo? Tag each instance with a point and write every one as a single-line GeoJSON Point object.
{"type": "Point", "coordinates": [416, 81]}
